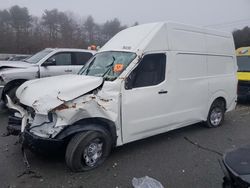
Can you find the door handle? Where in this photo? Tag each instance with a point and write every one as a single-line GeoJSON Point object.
{"type": "Point", "coordinates": [162, 92]}
{"type": "Point", "coordinates": [68, 70]}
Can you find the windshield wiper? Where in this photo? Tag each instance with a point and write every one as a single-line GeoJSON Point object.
{"type": "Point", "coordinates": [109, 67]}
{"type": "Point", "coordinates": [88, 68]}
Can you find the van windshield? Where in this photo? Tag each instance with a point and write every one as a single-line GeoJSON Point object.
{"type": "Point", "coordinates": [108, 65]}
{"type": "Point", "coordinates": [243, 63]}
{"type": "Point", "coordinates": [38, 56]}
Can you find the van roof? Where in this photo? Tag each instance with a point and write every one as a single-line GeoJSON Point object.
{"type": "Point", "coordinates": [163, 36]}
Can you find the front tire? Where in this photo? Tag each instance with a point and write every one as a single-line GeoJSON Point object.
{"type": "Point", "coordinates": [11, 93]}
{"type": "Point", "coordinates": [216, 114]}
{"type": "Point", "coordinates": [87, 150]}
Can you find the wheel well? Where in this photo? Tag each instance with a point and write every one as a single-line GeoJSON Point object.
{"type": "Point", "coordinates": [12, 84]}
{"type": "Point", "coordinates": [223, 100]}
{"type": "Point", "coordinates": [95, 124]}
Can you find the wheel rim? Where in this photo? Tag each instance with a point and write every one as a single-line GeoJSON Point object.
{"type": "Point", "coordinates": [216, 116]}
{"type": "Point", "coordinates": [93, 152]}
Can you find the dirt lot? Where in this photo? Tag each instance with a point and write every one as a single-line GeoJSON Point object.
{"type": "Point", "coordinates": [187, 157]}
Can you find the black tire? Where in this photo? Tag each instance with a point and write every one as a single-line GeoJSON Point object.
{"type": "Point", "coordinates": [227, 183]}
{"type": "Point", "coordinates": [218, 107]}
{"type": "Point", "coordinates": [11, 93]}
{"type": "Point", "coordinates": [77, 151]}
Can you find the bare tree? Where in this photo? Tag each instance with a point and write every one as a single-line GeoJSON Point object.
{"type": "Point", "coordinates": [50, 20]}
{"type": "Point", "coordinates": [242, 37]}
{"type": "Point", "coordinates": [110, 28]}
{"type": "Point", "coordinates": [6, 37]}
{"type": "Point", "coordinates": [23, 33]}
{"type": "Point", "coordinates": [20, 21]}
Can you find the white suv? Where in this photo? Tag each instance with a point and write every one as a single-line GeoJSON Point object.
{"type": "Point", "coordinates": [48, 62]}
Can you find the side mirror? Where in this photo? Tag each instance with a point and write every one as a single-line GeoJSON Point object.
{"type": "Point", "coordinates": [50, 62]}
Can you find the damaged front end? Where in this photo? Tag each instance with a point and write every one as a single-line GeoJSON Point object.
{"type": "Point", "coordinates": [36, 131]}
{"type": "Point", "coordinates": [48, 115]}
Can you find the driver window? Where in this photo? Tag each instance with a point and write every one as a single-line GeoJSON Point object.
{"type": "Point", "coordinates": [62, 59]}
{"type": "Point", "coordinates": [150, 71]}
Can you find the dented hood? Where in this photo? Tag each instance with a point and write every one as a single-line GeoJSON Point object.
{"type": "Point", "coordinates": [47, 93]}
{"type": "Point", "coordinates": [14, 64]}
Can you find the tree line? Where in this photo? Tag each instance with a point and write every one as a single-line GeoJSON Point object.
{"type": "Point", "coordinates": [22, 32]}
{"type": "Point", "coordinates": [242, 37]}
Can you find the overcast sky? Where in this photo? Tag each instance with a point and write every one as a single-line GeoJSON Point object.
{"type": "Point", "coordinates": [220, 14]}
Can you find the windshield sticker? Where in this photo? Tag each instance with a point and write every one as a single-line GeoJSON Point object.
{"type": "Point", "coordinates": [118, 68]}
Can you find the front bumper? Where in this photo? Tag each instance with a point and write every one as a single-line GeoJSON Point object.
{"type": "Point", "coordinates": [34, 142]}
{"type": "Point", "coordinates": [42, 145]}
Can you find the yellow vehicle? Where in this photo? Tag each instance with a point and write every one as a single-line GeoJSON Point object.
{"type": "Point", "coordinates": [243, 61]}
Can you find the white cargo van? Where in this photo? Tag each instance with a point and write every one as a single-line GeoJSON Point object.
{"type": "Point", "coordinates": [146, 80]}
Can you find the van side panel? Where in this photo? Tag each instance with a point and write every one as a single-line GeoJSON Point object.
{"type": "Point", "coordinates": [201, 66]}
{"type": "Point", "coordinates": [222, 79]}
{"type": "Point", "coordinates": [191, 87]}
{"type": "Point", "coordinates": [219, 44]}
{"type": "Point", "coordinates": [185, 39]}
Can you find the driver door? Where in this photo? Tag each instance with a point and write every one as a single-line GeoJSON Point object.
{"type": "Point", "coordinates": [145, 99]}
{"type": "Point", "coordinates": [59, 64]}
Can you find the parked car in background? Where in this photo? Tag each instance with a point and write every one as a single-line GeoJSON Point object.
{"type": "Point", "coordinates": [146, 80]}
{"type": "Point", "coordinates": [243, 61]}
{"type": "Point", "coordinates": [236, 167]}
{"type": "Point", "coordinates": [18, 57]}
{"type": "Point", "coordinates": [48, 62]}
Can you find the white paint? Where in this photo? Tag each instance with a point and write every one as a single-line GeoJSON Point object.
{"type": "Point", "coordinates": [23, 113]}
{"type": "Point", "coordinates": [201, 66]}
{"type": "Point", "coordinates": [46, 94]}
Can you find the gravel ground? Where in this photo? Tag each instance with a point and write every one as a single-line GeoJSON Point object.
{"type": "Point", "coordinates": [184, 158]}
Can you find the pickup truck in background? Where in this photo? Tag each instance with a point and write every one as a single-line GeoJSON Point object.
{"type": "Point", "coordinates": [17, 57]}
{"type": "Point", "coordinates": [48, 62]}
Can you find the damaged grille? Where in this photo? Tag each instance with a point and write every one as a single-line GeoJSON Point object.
{"type": "Point", "coordinates": [30, 110]}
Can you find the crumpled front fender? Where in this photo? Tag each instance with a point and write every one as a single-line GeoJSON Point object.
{"type": "Point", "coordinates": [23, 113]}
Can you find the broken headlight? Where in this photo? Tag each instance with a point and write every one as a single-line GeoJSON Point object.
{"type": "Point", "coordinates": [44, 126]}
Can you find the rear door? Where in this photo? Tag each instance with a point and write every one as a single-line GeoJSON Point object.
{"type": "Point", "coordinates": [192, 84]}
{"type": "Point", "coordinates": [79, 60]}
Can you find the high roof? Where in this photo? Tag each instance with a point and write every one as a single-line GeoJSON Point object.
{"type": "Point", "coordinates": [136, 38]}
{"type": "Point", "coordinates": [165, 36]}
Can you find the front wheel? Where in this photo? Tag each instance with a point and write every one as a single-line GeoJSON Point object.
{"type": "Point", "coordinates": [216, 114]}
{"type": "Point", "coordinates": [11, 93]}
{"type": "Point", "coordinates": [87, 150]}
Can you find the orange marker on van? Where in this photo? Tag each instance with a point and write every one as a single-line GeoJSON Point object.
{"type": "Point", "coordinates": [118, 68]}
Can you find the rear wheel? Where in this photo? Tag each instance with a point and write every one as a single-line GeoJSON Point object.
{"type": "Point", "coordinates": [216, 114]}
{"type": "Point", "coordinates": [87, 150]}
